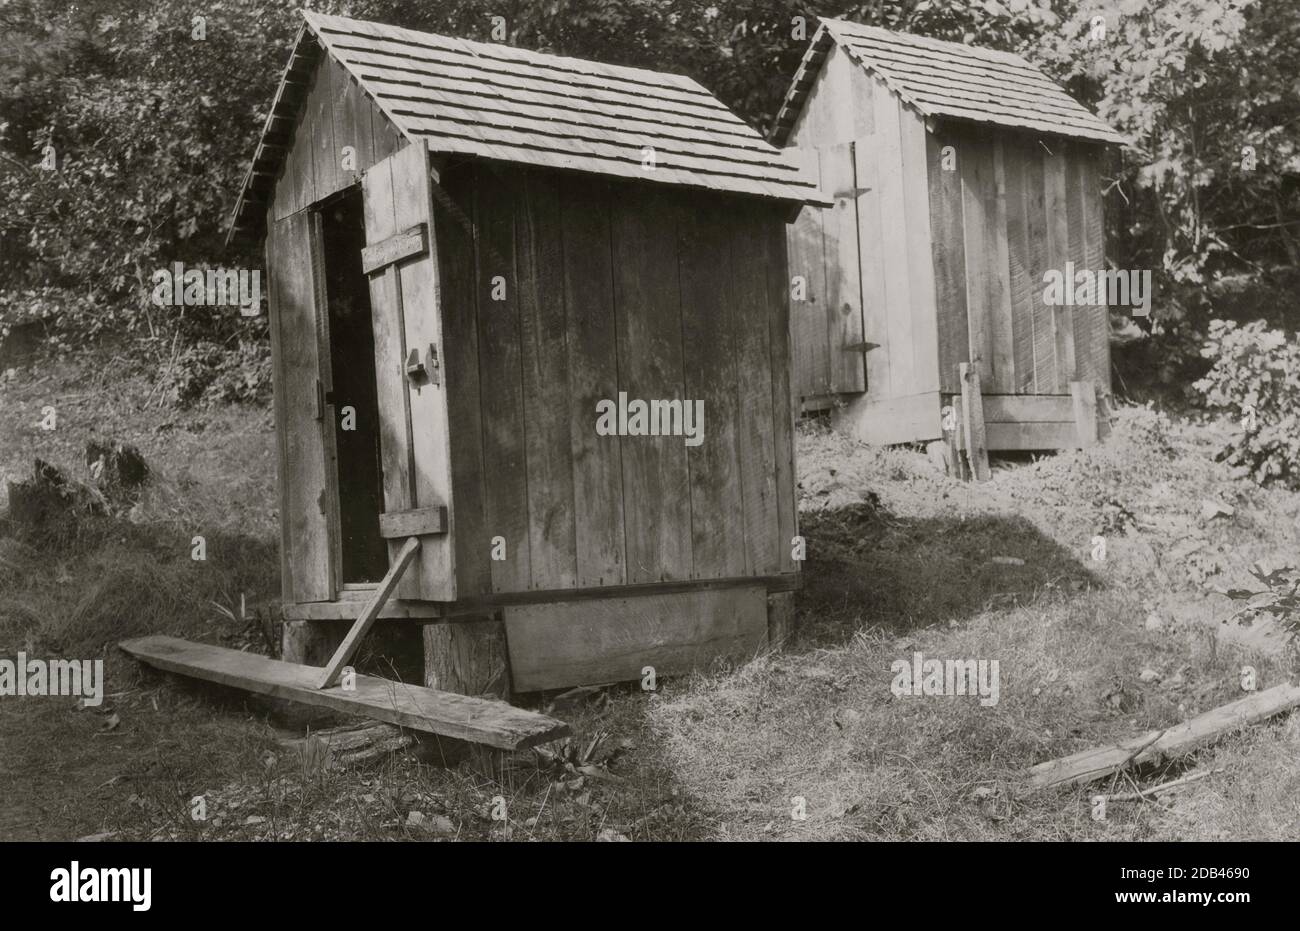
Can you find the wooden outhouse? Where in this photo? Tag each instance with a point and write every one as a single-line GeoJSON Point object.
{"type": "Point", "coordinates": [474, 252]}
{"type": "Point", "coordinates": [959, 176]}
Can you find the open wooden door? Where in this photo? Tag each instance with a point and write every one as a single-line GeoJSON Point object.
{"type": "Point", "coordinates": [306, 545]}
{"type": "Point", "coordinates": [400, 259]}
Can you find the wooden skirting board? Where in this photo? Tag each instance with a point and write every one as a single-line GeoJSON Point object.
{"type": "Point", "coordinates": [614, 639]}
{"type": "Point", "coordinates": [351, 601]}
{"type": "Point", "coordinates": [479, 720]}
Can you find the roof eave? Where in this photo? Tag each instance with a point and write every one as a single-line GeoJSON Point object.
{"type": "Point", "coordinates": [269, 154]}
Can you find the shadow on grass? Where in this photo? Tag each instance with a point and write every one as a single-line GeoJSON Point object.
{"type": "Point", "coordinates": [868, 567]}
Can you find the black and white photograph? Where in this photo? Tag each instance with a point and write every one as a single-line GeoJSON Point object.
{"type": "Point", "coordinates": [657, 422]}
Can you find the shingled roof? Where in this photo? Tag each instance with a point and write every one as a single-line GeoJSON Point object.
{"type": "Point", "coordinates": [499, 102]}
{"type": "Point", "coordinates": [947, 79]}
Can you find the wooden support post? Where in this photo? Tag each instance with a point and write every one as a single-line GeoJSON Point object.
{"type": "Point", "coordinates": [780, 618]}
{"type": "Point", "coordinates": [972, 410]}
{"type": "Point", "coordinates": [367, 618]}
{"type": "Point", "coordinates": [468, 657]}
{"type": "Point", "coordinates": [952, 435]}
{"type": "Point", "coordinates": [1085, 412]}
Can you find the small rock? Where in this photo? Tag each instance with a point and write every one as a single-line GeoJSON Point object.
{"type": "Point", "coordinates": [1149, 675]}
{"type": "Point", "coordinates": [1154, 622]}
{"type": "Point", "coordinates": [1008, 561]}
{"type": "Point", "coordinates": [254, 819]}
{"type": "Point", "coordinates": [847, 717]}
{"type": "Point", "coordinates": [437, 824]}
{"type": "Point", "coordinates": [610, 836]}
{"type": "Point", "coordinates": [1213, 507]}
{"type": "Point", "coordinates": [982, 792]}
{"type": "Point", "coordinates": [97, 838]}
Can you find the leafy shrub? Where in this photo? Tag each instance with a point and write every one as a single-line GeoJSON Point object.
{"type": "Point", "coordinates": [1279, 597]}
{"type": "Point", "coordinates": [206, 372]}
{"type": "Point", "coordinates": [1256, 378]}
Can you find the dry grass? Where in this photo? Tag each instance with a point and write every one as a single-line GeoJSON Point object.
{"type": "Point", "coordinates": [900, 560]}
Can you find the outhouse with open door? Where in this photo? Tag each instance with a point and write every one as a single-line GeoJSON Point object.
{"type": "Point", "coordinates": [533, 312]}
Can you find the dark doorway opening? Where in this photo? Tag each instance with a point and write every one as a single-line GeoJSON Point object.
{"type": "Point", "coordinates": [352, 367]}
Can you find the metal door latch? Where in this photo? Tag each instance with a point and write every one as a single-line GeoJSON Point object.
{"type": "Point", "coordinates": [429, 368]}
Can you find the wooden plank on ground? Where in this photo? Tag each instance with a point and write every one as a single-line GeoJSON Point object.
{"type": "Point", "coordinates": [972, 406]}
{"type": "Point", "coordinates": [1160, 745]}
{"type": "Point", "coordinates": [948, 255]}
{"type": "Point", "coordinates": [366, 619]}
{"type": "Point", "coordinates": [612, 640]}
{"type": "Point", "coordinates": [656, 481]}
{"type": "Point", "coordinates": [479, 720]}
{"type": "Point", "coordinates": [593, 377]}
{"type": "Point", "coordinates": [843, 307]}
{"type": "Point", "coordinates": [553, 554]}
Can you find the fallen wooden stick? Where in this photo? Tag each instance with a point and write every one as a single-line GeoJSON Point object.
{"type": "Point", "coordinates": [1143, 795]}
{"type": "Point", "coordinates": [1153, 746]}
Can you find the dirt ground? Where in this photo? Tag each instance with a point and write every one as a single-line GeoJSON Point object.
{"type": "Point", "coordinates": [809, 742]}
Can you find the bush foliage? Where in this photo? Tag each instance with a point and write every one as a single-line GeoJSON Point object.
{"type": "Point", "coordinates": [1255, 377]}
{"type": "Point", "coordinates": [125, 128]}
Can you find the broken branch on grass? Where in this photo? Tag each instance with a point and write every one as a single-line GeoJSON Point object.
{"type": "Point", "coordinates": [1144, 795]}
{"type": "Point", "coordinates": [1154, 746]}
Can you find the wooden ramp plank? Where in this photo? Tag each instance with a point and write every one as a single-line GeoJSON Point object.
{"type": "Point", "coordinates": [480, 720]}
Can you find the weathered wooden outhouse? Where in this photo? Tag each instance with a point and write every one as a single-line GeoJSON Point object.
{"type": "Point", "coordinates": [531, 311]}
{"type": "Point", "coordinates": [959, 176]}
